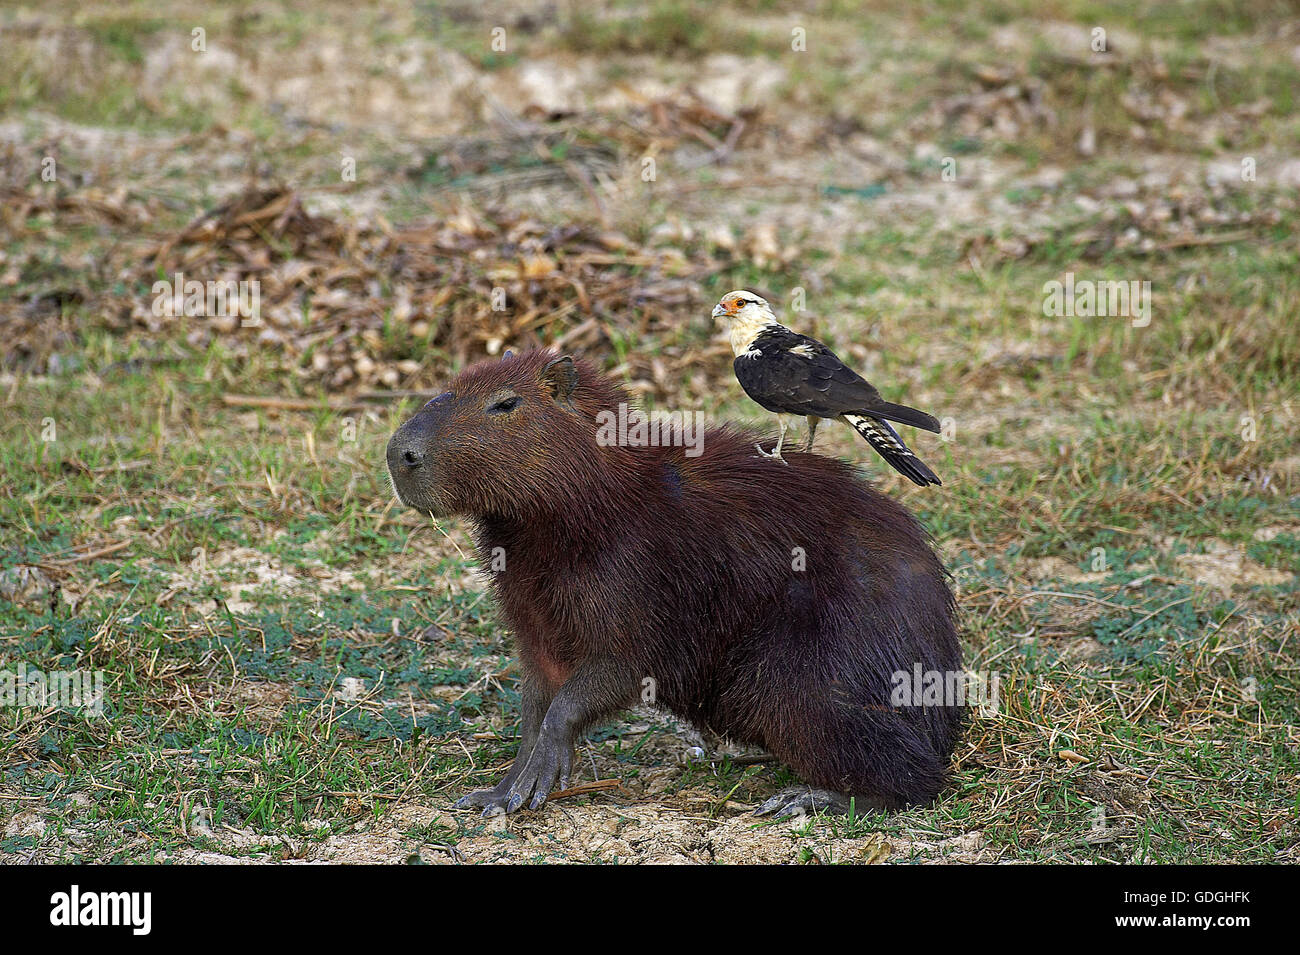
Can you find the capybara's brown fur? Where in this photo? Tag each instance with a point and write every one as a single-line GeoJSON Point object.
{"type": "Point", "coordinates": [770, 602]}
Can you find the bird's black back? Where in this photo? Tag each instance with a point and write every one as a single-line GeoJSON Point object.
{"type": "Point", "coordinates": [808, 381]}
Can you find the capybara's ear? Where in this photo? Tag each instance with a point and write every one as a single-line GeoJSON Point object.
{"type": "Point", "coordinates": [560, 378]}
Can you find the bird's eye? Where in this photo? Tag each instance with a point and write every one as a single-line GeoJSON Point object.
{"type": "Point", "coordinates": [504, 405]}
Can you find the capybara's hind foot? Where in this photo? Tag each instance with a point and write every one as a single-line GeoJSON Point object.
{"type": "Point", "coordinates": [803, 800]}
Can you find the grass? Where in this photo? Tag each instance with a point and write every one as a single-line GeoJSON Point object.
{"type": "Point", "coordinates": [668, 28]}
{"type": "Point", "coordinates": [311, 765]}
{"type": "Point", "coordinates": [295, 665]}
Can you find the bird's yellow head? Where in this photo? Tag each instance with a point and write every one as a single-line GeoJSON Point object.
{"type": "Point", "coordinates": [746, 315]}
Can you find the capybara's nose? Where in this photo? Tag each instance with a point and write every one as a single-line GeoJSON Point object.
{"type": "Point", "coordinates": [404, 452]}
{"type": "Point", "coordinates": [408, 446]}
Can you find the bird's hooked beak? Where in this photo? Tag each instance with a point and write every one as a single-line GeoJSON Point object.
{"type": "Point", "coordinates": [719, 311]}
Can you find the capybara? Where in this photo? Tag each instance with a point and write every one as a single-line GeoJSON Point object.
{"type": "Point", "coordinates": [774, 603]}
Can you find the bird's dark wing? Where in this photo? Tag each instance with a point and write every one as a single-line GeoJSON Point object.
{"type": "Point", "coordinates": [789, 373]}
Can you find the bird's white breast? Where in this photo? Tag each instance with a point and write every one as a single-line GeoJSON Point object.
{"type": "Point", "coordinates": [745, 328]}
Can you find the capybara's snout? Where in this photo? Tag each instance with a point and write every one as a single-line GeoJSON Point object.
{"type": "Point", "coordinates": [410, 457]}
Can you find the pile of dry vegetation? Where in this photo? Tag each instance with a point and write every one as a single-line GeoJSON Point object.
{"type": "Point", "coordinates": [350, 304]}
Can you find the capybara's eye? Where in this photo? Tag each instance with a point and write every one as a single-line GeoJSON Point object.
{"type": "Point", "coordinates": [504, 405]}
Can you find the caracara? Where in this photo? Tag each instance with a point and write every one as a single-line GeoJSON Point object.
{"type": "Point", "coordinates": [792, 374]}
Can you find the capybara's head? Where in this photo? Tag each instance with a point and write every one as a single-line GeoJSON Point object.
{"type": "Point", "coordinates": [506, 437]}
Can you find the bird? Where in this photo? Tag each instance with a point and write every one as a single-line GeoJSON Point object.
{"type": "Point", "coordinates": [791, 374]}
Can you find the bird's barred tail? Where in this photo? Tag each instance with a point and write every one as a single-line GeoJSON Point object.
{"type": "Point", "coordinates": [891, 447]}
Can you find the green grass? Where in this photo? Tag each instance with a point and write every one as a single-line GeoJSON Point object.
{"type": "Point", "coordinates": [668, 28]}
{"type": "Point", "coordinates": [207, 484]}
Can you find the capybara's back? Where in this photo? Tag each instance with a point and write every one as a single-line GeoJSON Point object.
{"type": "Point", "coordinates": [778, 603]}
{"type": "Point", "coordinates": [803, 595]}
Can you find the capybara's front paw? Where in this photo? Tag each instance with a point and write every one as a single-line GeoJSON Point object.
{"type": "Point", "coordinates": [549, 765]}
{"type": "Point", "coordinates": [491, 801]}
